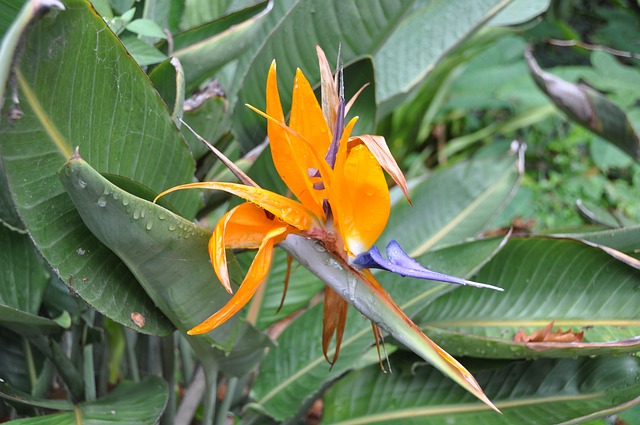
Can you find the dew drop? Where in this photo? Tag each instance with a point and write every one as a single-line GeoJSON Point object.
{"type": "Point", "coordinates": [102, 201]}
{"type": "Point", "coordinates": [82, 183]}
{"type": "Point", "coordinates": [142, 213]}
{"type": "Point", "coordinates": [80, 251]}
{"type": "Point", "coordinates": [136, 214]}
{"type": "Point", "coordinates": [149, 225]}
{"type": "Point", "coordinates": [125, 201]}
{"type": "Point", "coordinates": [172, 226]}
{"type": "Point", "coordinates": [116, 196]}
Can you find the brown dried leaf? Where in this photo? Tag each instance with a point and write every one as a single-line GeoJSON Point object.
{"type": "Point", "coordinates": [330, 97]}
{"type": "Point", "coordinates": [546, 335]}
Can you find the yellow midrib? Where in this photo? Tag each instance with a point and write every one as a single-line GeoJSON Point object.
{"type": "Point", "coordinates": [413, 412]}
{"type": "Point", "coordinates": [48, 126]}
{"type": "Point", "coordinates": [540, 322]}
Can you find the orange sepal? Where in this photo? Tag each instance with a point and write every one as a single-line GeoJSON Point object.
{"type": "Point", "coordinates": [334, 319]}
{"type": "Point", "coordinates": [291, 212]}
{"type": "Point", "coordinates": [256, 274]}
{"type": "Point", "coordinates": [242, 227]}
{"type": "Point", "coordinates": [293, 155]}
{"type": "Point", "coordinates": [306, 114]}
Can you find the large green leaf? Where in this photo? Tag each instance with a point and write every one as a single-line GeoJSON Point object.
{"type": "Point", "coordinates": [79, 87]}
{"type": "Point", "coordinates": [454, 204]}
{"type": "Point", "coordinates": [575, 285]}
{"type": "Point", "coordinates": [167, 253]}
{"type": "Point", "coordinates": [140, 403]}
{"type": "Point", "coordinates": [404, 38]}
{"type": "Point", "coordinates": [295, 371]}
{"type": "Point", "coordinates": [169, 257]}
{"type": "Point", "coordinates": [205, 49]}
{"type": "Point", "coordinates": [533, 392]}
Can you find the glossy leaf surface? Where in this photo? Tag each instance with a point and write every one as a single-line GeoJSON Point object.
{"type": "Point", "coordinates": [528, 392]}
{"type": "Point", "coordinates": [572, 284]}
{"type": "Point", "coordinates": [106, 105]}
{"type": "Point", "coordinates": [173, 268]}
{"type": "Point", "coordinates": [405, 40]}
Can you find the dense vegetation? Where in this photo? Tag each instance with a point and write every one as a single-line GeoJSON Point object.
{"type": "Point", "coordinates": [515, 124]}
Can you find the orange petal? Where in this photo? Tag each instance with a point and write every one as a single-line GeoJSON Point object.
{"type": "Point", "coordinates": [256, 274]}
{"type": "Point", "coordinates": [306, 117]}
{"type": "Point", "coordinates": [334, 319]}
{"type": "Point", "coordinates": [361, 200]}
{"type": "Point", "coordinates": [378, 147]}
{"type": "Point", "coordinates": [287, 210]}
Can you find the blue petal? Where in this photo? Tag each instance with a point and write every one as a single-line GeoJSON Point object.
{"type": "Point", "coordinates": [401, 263]}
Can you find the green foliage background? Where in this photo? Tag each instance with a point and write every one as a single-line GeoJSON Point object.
{"type": "Point", "coordinates": [491, 138]}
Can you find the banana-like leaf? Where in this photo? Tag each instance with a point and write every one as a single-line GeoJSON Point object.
{"type": "Point", "coordinates": [405, 39]}
{"type": "Point", "coordinates": [77, 86]}
{"type": "Point", "coordinates": [295, 372]}
{"type": "Point", "coordinates": [588, 108]}
{"type": "Point", "coordinates": [576, 286]}
{"type": "Point", "coordinates": [205, 49]}
{"type": "Point", "coordinates": [140, 403]}
{"type": "Point", "coordinates": [167, 254]}
{"type": "Point", "coordinates": [454, 204]}
{"type": "Point", "coordinates": [544, 391]}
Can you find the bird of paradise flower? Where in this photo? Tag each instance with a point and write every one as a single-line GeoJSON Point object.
{"type": "Point", "coordinates": [343, 205]}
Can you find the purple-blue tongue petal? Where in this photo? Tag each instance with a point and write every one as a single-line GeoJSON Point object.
{"type": "Point", "coordinates": [401, 263]}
